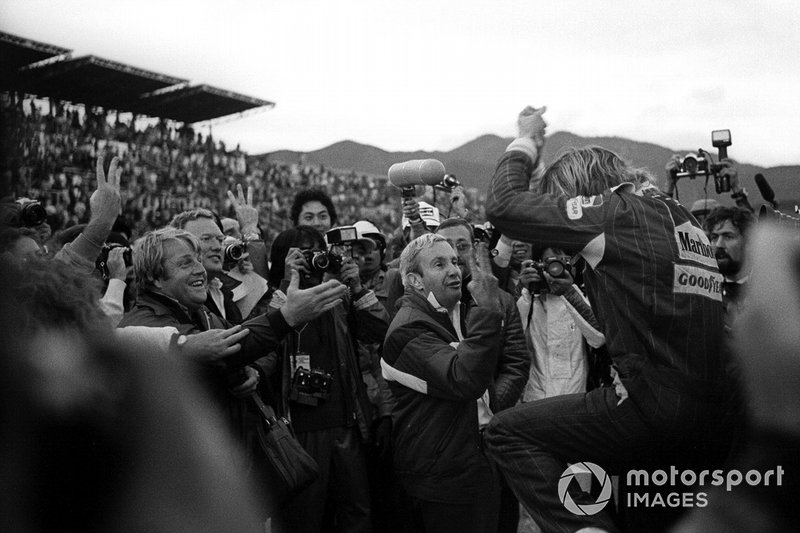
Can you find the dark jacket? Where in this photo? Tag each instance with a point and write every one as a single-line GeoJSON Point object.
{"type": "Point", "coordinates": [266, 332]}
{"type": "Point", "coordinates": [232, 313]}
{"type": "Point", "coordinates": [514, 359]}
{"type": "Point", "coordinates": [436, 382]}
{"type": "Point", "coordinates": [364, 319]}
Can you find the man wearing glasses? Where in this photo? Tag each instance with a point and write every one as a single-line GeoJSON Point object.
{"type": "Point", "coordinates": [203, 224]}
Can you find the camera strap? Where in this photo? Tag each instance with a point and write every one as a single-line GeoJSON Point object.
{"type": "Point", "coordinates": [300, 359]}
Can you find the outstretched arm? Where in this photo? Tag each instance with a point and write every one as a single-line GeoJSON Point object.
{"type": "Point", "coordinates": [105, 205]}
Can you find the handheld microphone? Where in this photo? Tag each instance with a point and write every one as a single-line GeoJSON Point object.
{"type": "Point", "coordinates": [766, 191]}
{"type": "Point", "coordinates": [416, 172]}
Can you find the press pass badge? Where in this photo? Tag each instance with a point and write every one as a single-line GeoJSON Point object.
{"type": "Point", "coordinates": [301, 360]}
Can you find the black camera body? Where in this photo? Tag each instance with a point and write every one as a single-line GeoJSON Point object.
{"type": "Point", "coordinates": [32, 213]}
{"type": "Point", "coordinates": [102, 260]}
{"type": "Point", "coordinates": [23, 213]}
{"type": "Point", "coordinates": [234, 251]}
{"type": "Point", "coordinates": [448, 183]}
{"type": "Point", "coordinates": [310, 387]}
{"type": "Point", "coordinates": [342, 238]}
{"type": "Point", "coordinates": [323, 261]}
{"type": "Point", "coordinates": [555, 266]}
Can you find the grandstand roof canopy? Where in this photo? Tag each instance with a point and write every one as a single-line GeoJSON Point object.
{"type": "Point", "coordinates": [91, 80]}
{"type": "Point", "coordinates": [17, 52]}
{"type": "Point", "coordinates": [196, 103]}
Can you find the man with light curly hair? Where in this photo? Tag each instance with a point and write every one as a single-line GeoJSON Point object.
{"type": "Point", "coordinates": [653, 282]}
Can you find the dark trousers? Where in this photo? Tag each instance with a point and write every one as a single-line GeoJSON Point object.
{"type": "Point", "coordinates": [436, 517]}
{"type": "Point", "coordinates": [342, 486]}
{"type": "Point", "coordinates": [533, 443]}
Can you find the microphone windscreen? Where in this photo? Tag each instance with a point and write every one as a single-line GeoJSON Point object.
{"type": "Point", "coordinates": [763, 187]}
{"type": "Point", "coordinates": [416, 172]}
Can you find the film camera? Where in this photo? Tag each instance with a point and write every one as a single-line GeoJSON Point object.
{"type": "Point", "coordinates": [310, 387]}
{"type": "Point", "coordinates": [234, 250]}
{"type": "Point", "coordinates": [701, 164]}
{"type": "Point", "coordinates": [319, 261]}
{"type": "Point", "coordinates": [340, 241]}
{"type": "Point", "coordinates": [102, 260]}
{"type": "Point", "coordinates": [22, 213]}
{"type": "Point", "coordinates": [31, 213]}
{"type": "Point", "coordinates": [555, 266]}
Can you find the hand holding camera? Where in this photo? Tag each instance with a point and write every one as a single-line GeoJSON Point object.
{"type": "Point", "coordinates": [728, 169]}
{"type": "Point", "coordinates": [553, 275]}
{"type": "Point", "coordinates": [529, 275]}
{"type": "Point", "coordinates": [119, 262]}
{"type": "Point", "coordinates": [297, 260]}
{"type": "Point", "coordinates": [114, 261]}
{"type": "Point", "coordinates": [559, 285]}
{"type": "Point", "coordinates": [349, 275]}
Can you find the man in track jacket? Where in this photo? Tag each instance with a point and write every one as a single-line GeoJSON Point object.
{"type": "Point", "coordinates": [436, 373]}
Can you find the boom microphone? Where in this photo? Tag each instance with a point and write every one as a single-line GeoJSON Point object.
{"type": "Point", "coordinates": [766, 191]}
{"type": "Point", "coordinates": [416, 172]}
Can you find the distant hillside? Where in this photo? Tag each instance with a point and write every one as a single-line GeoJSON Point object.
{"type": "Point", "coordinates": [474, 163]}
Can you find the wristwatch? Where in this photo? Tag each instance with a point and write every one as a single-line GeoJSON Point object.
{"type": "Point", "coordinates": [251, 236]}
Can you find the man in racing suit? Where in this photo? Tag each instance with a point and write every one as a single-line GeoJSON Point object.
{"type": "Point", "coordinates": [653, 282]}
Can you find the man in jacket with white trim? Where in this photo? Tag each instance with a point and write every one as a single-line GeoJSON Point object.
{"type": "Point", "coordinates": [436, 373]}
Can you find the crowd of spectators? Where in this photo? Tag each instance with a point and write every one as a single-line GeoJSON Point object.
{"type": "Point", "coordinates": [440, 386]}
{"type": "Point", "coordinates": [50, 148]}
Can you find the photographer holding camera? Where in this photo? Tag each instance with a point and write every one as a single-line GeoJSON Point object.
{"type": "Point", "coordinates": [726, 179]}
{"type": "Point", "coordinates": [321, 387]}
{"type": "Point", "coordinates": [557, 319]}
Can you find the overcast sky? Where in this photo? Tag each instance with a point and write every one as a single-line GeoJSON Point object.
{"type": "Point", "coordinates": [432, 75]}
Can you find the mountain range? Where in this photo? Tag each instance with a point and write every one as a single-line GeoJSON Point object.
{"type": "Point", "coordinates": [474, 163]}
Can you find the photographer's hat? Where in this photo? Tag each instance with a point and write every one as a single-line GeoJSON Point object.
{"type": "Point", "coordinates": [704, 206]}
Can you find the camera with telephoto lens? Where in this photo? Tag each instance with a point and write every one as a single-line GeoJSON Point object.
{"type": "Point", "coordinates": [555, 266]}
{"type": "Point", "coordinates": [310, 387]}
{"type": "Point", "coordinates": [102, 260]}
{"type": "Point", "coordinates": [701, 164]}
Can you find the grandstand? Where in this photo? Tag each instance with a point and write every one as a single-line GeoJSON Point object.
{"type": "Point", "coordinates": [45, 70]}
{"type": "Point", "coordinates": [60, 112]}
